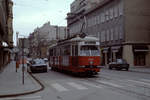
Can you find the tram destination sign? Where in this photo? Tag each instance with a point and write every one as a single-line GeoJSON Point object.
{"type": "Point", "coordinates": [90, 42]}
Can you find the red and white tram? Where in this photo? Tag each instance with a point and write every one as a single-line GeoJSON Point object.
{"type": "Point", "coordinates": [76, 55]}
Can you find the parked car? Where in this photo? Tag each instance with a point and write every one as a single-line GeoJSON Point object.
{"type": "Point", "coordinates": [119, 64]}
{"type": "Point", "coordinates": [45, 59]}
{"type": "Point", "coordinates": [38, 65]}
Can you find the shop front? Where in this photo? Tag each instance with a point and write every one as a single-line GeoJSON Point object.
{"type": "Point", "coordinates": [140, 52]}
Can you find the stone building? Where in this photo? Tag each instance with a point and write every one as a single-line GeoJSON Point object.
{"type": "Point", "coordinates": [43, 37]}
{"type": "Point", "coordinates": [6, 31]}
{"type": "Point", "coordinates": [123, 28]}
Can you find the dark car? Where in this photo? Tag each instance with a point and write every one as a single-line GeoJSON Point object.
{"type": "Point", "coordinates": [38, 65]}
{"type": "Point", "coordinates": [119, 64]}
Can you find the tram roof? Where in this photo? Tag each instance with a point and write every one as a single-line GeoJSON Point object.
{"type": "Point", "coordinates": [87, 38]}
{"type": "Point", "coordinates": [53, 45]}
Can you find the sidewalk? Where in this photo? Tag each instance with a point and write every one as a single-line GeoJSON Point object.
{"type": "Point", "coordinates": [11, 81]}
{"type": "Point", "coordinates": [140, 69]}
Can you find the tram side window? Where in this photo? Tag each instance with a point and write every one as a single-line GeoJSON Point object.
{"type": "Point", "coordinates": [58, 52]}
{"type": "Point", "coordinates": [54, 52]}
{"type": "Point", "coordinates": [62, 51]}
{"type": "Point", "coordinates": [51, 52]}
{"type": "Point", "coordinates": [67, 50]}
{"type": "Point", "coordinates": [76, 50]}
{"type": "Point", "coordinates": [73, 51]}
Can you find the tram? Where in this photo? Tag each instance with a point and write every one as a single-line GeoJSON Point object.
{"type": "Point", "coordinates": [76, 55]}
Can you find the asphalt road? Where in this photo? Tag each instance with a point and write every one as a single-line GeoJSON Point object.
{"type": "Point", "coordinates": [107, 85]}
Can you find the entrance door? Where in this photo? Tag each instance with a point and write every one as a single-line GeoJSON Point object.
{"type": "Point", "coordinates": [139, 59]}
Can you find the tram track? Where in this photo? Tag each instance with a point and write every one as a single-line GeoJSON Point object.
{"type": "Point", "coordinates": [120, 89]}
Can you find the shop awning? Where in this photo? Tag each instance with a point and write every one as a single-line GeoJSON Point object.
{"type": "Point", "coordinates": [140, 48]}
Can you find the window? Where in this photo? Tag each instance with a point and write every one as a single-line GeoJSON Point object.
{"type": "Point", "coordinates": [73, 50]}
{"type": "Point", "coordinates": [107, 15]}
{"type": "Point", "coordinates": [116, 11]}
{"type": "Point", "coordinates": [120, 8]}
{"type": "Point", "coordinates": [107, 33]}
{"type": "Point", "coordinates": [112, 34]}
{"type": "Point", "coordinates": [89, 50]}
{"type": "Point", "coordinates": [51, 52]}
{"type": "Point", "coordinates": [103, 36]}
{"type": "Point", "coordinates": [76, 50]}
{"type": "Point", "coordinates": [88, 22]}
{"type": "Point", "coordinates": [116, 33]}
{"type": "Point", "coordinates": [54, 51]}
{"type": "Point", "coordinates": [98, 35]}
{"type": "Point", "coordinates": [111, 13]}
{"type": "Point", "coordinates": [57, 52]}
{"type": "Point", "coordinates": [94, 20]}
{"type": "Point", "coordinates": [66, 50]}
{"type": "Point", "coordinates": [120, 32]}
{"type": "Point", "coordinates": [103, 17]}
{"type": "Point", "coordinates": [97, 19]}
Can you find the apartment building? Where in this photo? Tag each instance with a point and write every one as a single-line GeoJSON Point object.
{"type": "Point", "coordinates": [6, 31]}
{"type": "Point", "coordinates": [123, 28]}
{"type": "Point", "coordinates": [79, 5]}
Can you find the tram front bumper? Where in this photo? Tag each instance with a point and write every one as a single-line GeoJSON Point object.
{"type": "Point", "coordinates": [89, 70]}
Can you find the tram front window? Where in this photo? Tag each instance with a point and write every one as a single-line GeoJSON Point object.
{"type": "Point", "coordinates": [89, 50]}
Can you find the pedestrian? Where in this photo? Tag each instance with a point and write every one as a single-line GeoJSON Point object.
{"type": "Point", "coordinates": [17, 61]}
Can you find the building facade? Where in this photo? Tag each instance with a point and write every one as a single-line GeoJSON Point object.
{"type": "Point", "coordinates": [23, 44]}
{"type": "Point", "coordinates": [43, 37]}
{"type": "Point", "coordinates": [122, 26]}
{"type": "Point", "coordinates": [6, 31]}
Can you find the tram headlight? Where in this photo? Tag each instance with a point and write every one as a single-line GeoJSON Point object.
{"type": "Point", "coordinates": [91, 62]}
{"type": "Point", "coordinates": [82, 66]}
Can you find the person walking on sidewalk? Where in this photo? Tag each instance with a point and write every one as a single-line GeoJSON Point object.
{"type": "Point", "coordinates": [17, 61]}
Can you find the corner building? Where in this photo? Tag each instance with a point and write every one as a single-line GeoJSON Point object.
{"type": "Point", "coordinates": [123, 28]}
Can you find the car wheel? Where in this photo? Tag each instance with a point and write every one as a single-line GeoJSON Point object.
{"type": "Point", "coordinates": [127, 69]}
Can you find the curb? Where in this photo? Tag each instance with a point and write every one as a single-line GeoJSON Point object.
{"type": "Point", "coordinates": [26, 93]}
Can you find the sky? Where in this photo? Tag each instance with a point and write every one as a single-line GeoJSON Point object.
{"type": "Point", "coordinates": [30, 14]}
